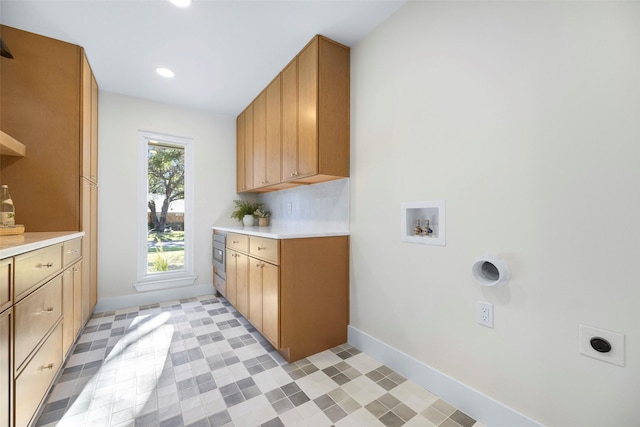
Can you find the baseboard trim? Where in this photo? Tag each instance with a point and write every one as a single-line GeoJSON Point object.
{"type": "Point", "coordinates": [482, 408]}
{"type": "Point", "coordinates": [151, 297]}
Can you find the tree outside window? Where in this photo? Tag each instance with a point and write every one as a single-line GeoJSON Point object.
{"type": "Point", "coordinates": [165, 202]}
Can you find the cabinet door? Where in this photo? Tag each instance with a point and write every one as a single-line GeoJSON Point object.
{"type": "Point", "coordinates": [231, 277]}
{"type": "Point", "coordinates": [248, 148]}
{"type": "Point", "coordinates": [290, 121]}
{"type": "Point", "coordinates": [260, 141]}
{"type": "Point", "coordinates": [71, 305]}
{"type": "Point", "coordinates": [67, 310]}
{"type": "Point", "coordinates": [240, 184]}
{"type": "Point", "coordinates": [89, 247]}
{"type": "Point", "coordinates": [255, 292]}
{"type": "Point", "coordinates": [6, 390]}
{"type": "Point", "coordinates": [77, 298]}
{"type": "Point", "coordinates": [308, 110]}
{"type": "Point", "coordinates": [242, 284]}
{"type": "Point", "coordinates": [273, 131]}
{"type": "Point", "coordinates": [271, 303]}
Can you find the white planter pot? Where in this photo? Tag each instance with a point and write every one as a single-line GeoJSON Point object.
{"type": "Point", "coordinates": [247, 220]}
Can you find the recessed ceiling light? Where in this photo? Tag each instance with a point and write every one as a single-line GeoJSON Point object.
{"type": "Point", "coordinates": [181, 3]}
{"type": "Point", "coordinates": [165, 72]}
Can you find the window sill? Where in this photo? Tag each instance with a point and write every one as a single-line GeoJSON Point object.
{"type": "Point", "coordinates": [157, 283]}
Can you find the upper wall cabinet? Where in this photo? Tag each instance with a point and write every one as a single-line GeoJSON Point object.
{"type": "Point", "coordinates": [300, 123]}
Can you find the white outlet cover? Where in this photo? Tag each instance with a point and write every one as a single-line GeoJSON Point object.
{"type": "Point", "coordinates": [485, 314]}
{"type": "Point", "coordinates": [615, 356]}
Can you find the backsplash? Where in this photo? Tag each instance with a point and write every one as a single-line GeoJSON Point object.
{"type": "Point", "coordinates": [324, 205]}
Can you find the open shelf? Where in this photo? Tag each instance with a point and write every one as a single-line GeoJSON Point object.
{"type": "Point", "coordinates": [9, 146]}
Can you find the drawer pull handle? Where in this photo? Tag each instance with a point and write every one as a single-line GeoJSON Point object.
{"type": "Point", "coordinates": [47, 265]}
{"type": "Point", "coordinates": [49, 366]}
{"type": "Point", "coordinates": [262, 248]}
{"type": "Point", "coordinates": [73, 251]}
{"type": "Point", "coordinates": [235, 242]}
{"type": "Point", "coordinates": [48, 310]}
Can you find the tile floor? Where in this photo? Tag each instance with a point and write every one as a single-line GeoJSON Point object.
{"type": "Point", "coordinates": [199, 363]}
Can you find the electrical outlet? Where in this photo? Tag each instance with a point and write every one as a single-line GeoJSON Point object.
{"type": "Point", "coordinates": [612, 352]}
{"type": "Point", "coordinates": [485, 314]}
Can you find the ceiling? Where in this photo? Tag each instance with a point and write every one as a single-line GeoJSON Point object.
{"type": "Point", "coordinates": [223, 52]}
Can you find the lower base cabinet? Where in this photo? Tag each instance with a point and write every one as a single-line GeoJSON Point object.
{"type": "Point", "coordinates": [34, 380]}
{"type": "Point", "coordinates": [42, 311]}
{"type": "Point", "coordinates": [296, 292]}
{"type": "Point", "coordinates": [6, 368]}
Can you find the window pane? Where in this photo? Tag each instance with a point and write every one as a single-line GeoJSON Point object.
{"type": "Point", "coordinates": [165, 202]}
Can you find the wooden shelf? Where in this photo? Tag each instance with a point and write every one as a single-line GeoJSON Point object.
{"type": "Point", "coordinates": [9, 146]}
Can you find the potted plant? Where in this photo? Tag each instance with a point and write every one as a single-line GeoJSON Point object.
{"type": "Point", "coordinates": [263, 216]}
{"type": "Point", "coordinates": [245, 211]}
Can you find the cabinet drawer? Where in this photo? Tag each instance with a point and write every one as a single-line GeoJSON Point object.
{"type": "Point", "coordinates": [266, 249]}
{"type": "Point", "coordinates": [238, 242]}
{"type": "Point", "coordinates": [35, 379]}
{"type": "Point", "coordinates": [6, 282]}
{"type": "Point", "coordinates": [35, 315]}
{"type": "Point", "coordinates": [220, 284]}
{"type": "Point", "coordinates": [35, 267]}
{"type": "Point", "coordinates": [71, 250]}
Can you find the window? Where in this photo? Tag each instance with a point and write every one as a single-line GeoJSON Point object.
{"type": "Point", "coordinates": [165, 211]}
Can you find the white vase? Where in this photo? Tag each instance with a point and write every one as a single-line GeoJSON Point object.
{"type": "Point", "coordinates": [247, 220]}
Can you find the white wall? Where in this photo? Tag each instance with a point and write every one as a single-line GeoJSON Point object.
{"type": "Point", "coordinates": [525, 118]}
{"type": "Point", "coordinates": [120, 118]}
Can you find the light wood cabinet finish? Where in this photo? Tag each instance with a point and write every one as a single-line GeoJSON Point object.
{"type": "Point", "coordinates": [71, 305]}
{"type": "Point", "coordinates": [35, 315]}
{"type": "Point", "coordinates": [298, 293]}
{"type": "Point", "coordinates": [267, 136]}
{"type": "Point", "coordinates": [240, 137]}
{"type": "Point", "coordinates": [6, 283]}
{"type": "Point", "coordinates": [314, 295]}
{"type": "Point", "coordinates": [220, 284]}
{"type": "Point", "coordinates": [265, 249]}
{"type": "Point", "coordinates": [322, 134]}
{"type": "Point", "coordinates": [238, 242]}
{"type": "Point", "coordinates": [55, 115]}
{"type": "Point", "coordinates": [242, 282]}
{"type": "Point", "coordinates": [36, 267]}
{"type": "Point", "coordinates": [71, 251]}
{"type": "Point", "coordinates": [248, 148]}
{"type": "Point", "coordinates": [6, 368]}
{"type": "Point", "coordinates": [311, 125]}
{"type": "Point", "coordinates": [40, 104]}
{"type": "Point", "coordinates": [33, 382]}
{"type": "Point", "coordinates": [264, 279]}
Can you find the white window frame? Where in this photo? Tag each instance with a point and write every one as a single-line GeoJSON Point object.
{"type": "Point", "coordinates": [173, 279]}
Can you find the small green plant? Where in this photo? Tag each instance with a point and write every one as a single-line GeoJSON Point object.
{"type": "Point", "coordinates": [244, 207]}
{"type": "Point", "coordinates": [262, 213]}
{"type": "Point", "coordinates": [160, 263]}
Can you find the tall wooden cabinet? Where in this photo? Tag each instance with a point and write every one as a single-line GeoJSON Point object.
{"type": "Point", "coordinates": [49, 102]}
{"type": "Point", "coordinates": [300, 123]}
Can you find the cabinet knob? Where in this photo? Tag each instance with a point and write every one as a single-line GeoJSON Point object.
{"type": "Point", "coordinates": [49, 366]}
{"type": "Point", "coordinates": [260, 248]}
{"type": "Point", "coordinates": [47, 265]}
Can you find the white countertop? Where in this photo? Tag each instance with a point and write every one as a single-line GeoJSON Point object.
{"type": "Point", "coordinates": [289, 231]}
{"type": "Point", "coordinates": [26, 242]}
